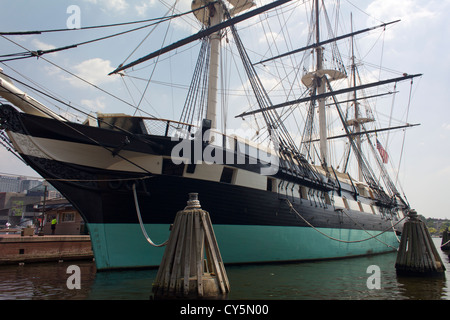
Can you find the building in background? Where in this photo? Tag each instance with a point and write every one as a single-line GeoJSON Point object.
{"type": "Point", "coordinates": [19, 198]}
{"type": "Point", "coordinates": [10, 183]}
{"type": "Point", "coordinates": [69, 221]}
{"type": "Point", "coordinates": [18, 208]}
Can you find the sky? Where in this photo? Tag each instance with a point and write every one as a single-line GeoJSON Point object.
{"type": "Point", "coordinates": [417, 44]}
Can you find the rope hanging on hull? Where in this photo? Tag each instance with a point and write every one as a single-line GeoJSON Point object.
{"type": "Point", "coordinates": [144, 232]}
{"type": "Point", "coordinates": [345, 241]}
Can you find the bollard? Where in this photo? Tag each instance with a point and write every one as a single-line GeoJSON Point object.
{"type": "Point", "coordinates": [192, 267]}
{"type": "Point", "coordinates": [417, 254]}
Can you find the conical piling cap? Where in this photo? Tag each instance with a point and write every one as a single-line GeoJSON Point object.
{"type": "Point", "coordinates": [412, 214]}
{"type": "Point", "coordinates": [193, 202]}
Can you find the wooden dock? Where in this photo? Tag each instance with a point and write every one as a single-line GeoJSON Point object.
{"type": "Point", "coordinates": [15, 248]}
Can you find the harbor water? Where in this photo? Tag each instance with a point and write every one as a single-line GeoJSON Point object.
{"type": "Point", "coordinates": [363, 278]}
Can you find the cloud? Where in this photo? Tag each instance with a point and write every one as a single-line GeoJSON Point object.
{"type": "Point", "coordinates": [142, 8]}
{"type": "Point", "coordinates": [115, 6]}
{"type": "Point", "coordinates": [411, 13]}
{"type": "Point", "coordinates": [39, 45]}
{"type": "Point", "coordinates": [94, 71]}
{"type": "Point", "coordinates": [95, 104]}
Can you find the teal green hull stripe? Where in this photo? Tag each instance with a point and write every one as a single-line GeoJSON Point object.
{"type": "Point", "coordinates": [124, 246]}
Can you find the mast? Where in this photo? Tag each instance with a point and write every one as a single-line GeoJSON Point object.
{"type": "Point", "coordinates": [316, 81]}
{"type": "Point", "coordinates": [355, 102]}
{"type": "Point", "coordinates": [321, 90]}
{"type": "Point", "coordinates": [210, 16]}
{"type": "Point", "coordinates": [358, 119]}
{"type": "Point", "coordinates": [215, 14]}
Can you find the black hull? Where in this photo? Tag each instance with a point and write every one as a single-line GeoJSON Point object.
{"type": "Point", "coordinates": [104, 197]}
{"type": "Point", "coordinates": [162, 196]}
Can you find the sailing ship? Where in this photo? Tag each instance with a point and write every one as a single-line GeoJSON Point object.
{"type": "Point", "coordinates": [275, 199]}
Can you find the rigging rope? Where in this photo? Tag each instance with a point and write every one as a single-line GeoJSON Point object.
{"type": "Point", "coordinates": [144, 232]}
{"type": "Point", "coordinates": [404, 132]}
{"type": "Point", "coordinates": [39, 53]}
{"type": "Point", "coordinates": [153, 71]}
{"type": "Point", "coordinates": [14, 33]}
{"type": "Point", "coordinates": [66, 123]}
{"type": "Point", "coordinates": [345, 241]}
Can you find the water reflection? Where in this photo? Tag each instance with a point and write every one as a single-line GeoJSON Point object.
{"type": "Point", "coordinates": [123, 285]}
{"type": "Point", "coordinates": [44, 281]}
{"type": "Point", "coordinates": [340, 279]}
{"type": "Point", "coordinates": [337, 280]}
{"type": "Point", "coordinates": [421, 288]}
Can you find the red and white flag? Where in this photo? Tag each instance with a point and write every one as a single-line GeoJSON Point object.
{"type": "Point", "coordinates": [383, 153]}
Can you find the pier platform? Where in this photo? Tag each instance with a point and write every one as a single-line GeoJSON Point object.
{"type": "Point", "coordinates": [15, 248]}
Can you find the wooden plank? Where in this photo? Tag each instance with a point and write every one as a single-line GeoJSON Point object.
{"type": "Point", "coordinates": [216, 246]}
{"type": "Point", "coordinates": [434, 258]}
{"type": "Point", "coordinates": [214, 253]}
{"type": "Point", "coordinates": [435, 252]}
{"type": "Point", "coordinates": [417, 254]}
{"type": "Point", "coordinates": [168, 263]}
{"type": "Point", "coordinates": [167, 257]}
{"type": "Point", "coordinates": [175, 277]}
{"type": "Point", "coordinates": [410, 246]}
{"type": "Point", "coordinates": [187, 250]}
{"type": "Point", "coordinates": [199, 240]}
{"type": "Point", "coordinates": [400, 261]}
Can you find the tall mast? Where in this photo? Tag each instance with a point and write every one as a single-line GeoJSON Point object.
{"type": "Point", "coordinates": [320, 90]}
{"type": "Point", "coordinates": [355, 103]}
{"type": "Point", "coordinates": [213, 15]}
{"type": "Point", "coordinates": [210, 16]}
{"type": "Point", "coordinates": [316, 80]}
{"type": "Point", "coordinates": [358, 120]}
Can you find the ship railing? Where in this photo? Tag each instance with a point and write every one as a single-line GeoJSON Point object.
{"type": "Point", "coordinates": [233, 142]}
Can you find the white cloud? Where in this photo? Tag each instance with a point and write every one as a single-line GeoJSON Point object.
{"type": "Point", "coordinates": [115, 6]}
{"type": "Point", "coordinates": [96, 104]}
{"type": "Point", "coordinates": [94, 71]}
{"type": "Point", "coordinates": [39, 45]}
{"type": "Point", "coordinates": [409, 11]}
{"type": "Point", "coordinates": [142, 8]}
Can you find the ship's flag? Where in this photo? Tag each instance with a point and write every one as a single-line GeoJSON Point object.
{"type": "Point", "coordinates": [383, 153]}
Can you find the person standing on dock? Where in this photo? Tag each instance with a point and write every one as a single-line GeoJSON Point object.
{"type": "Point", "coordinates": [54, 222]}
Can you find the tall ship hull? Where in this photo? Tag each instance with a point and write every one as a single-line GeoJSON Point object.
{"type": "Point", "coordinates": [252, 224]}
{"type": "Point", "coordinates": [310, 183]}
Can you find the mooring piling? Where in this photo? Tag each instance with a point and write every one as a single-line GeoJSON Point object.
{"type": "Point", "coordinates": [417, 254]}
{"type": "Point", "coordinates": [445, 244]}
{"type": "Point", "coordinates": [192, 267]}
